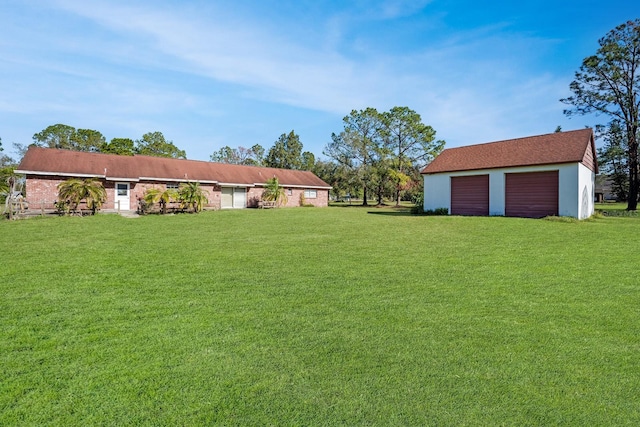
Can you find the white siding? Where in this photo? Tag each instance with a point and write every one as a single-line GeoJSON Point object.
{"type": "Point", "coordinates": [497, 182]}
{"type": "Point", "coordinates": [574, 180]}
{"type": "Point", "coordinates": [437, 192]}
{"type": "Point", "coordinates": [586, 183]}
{"type": "Point", "coordinates": [568, 192]}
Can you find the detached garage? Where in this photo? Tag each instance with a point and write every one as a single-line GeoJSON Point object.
{"type": "Point", "coordinates": [529, 177]}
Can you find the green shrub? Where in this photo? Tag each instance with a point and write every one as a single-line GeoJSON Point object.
{"type": "Point", "coordinates": [437, 211]}
{"type": "Point", "coordinates": [418, 208]}
{"type": "Point", "coordinates": [618, 212]}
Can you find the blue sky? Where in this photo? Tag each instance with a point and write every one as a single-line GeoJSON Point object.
{"type": "Point", "coordinates": [238, 72]}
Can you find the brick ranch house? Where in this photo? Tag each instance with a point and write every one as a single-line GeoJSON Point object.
{"type": "Point", "coordinates": [126, 178]}
{"type": "Point", "coordinates": [532, 177]}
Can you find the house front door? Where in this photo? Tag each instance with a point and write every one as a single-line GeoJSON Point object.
{"type": "Point", "coordinates": [122, 196]}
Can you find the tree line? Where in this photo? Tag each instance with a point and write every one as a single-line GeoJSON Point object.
{"type": "Point", "coordinates": [69, 138]}
{"type": "Point", "coordinates": [382, 153]}
{"type": "Point", "coordinates": [377, 154]}
{"type": "Point", "coordinates": [286, 153]}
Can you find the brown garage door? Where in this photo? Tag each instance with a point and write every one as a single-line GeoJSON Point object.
{"type": "Point", "coordinates": [531, 194]}
{"type": "Point", "coordinates": [470, 195]}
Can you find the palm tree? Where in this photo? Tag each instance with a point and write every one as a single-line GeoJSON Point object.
{"type": "Point", "coordinates": [274, 193]}
{"type": "Point", "coordinates": [191, 195]}
{"type": "Point", "coordinates": [72, 191]}
{"type": "Point", "coordinates": [156, 195]}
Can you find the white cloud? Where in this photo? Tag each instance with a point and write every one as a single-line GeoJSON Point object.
{"type": "Point", "coordinates": [137, 61]}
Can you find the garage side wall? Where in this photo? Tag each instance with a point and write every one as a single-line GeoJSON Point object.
{"type": "Point", "coordinates": [437, 191]}
{"type": "Point", "coordinates": [573, 179]}
{"type": "Point", "coordinates": [568, 197]}
{"type": "Point", "coordinates": [586, 182]}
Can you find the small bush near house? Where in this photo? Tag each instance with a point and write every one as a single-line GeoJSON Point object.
{"type": "Point", "coordinates": [192, 196]}
{"type": "Point", "coordinates": [274, 192]}
{"type": "Point", "coordinates": [303, 202]}
{"type": "Point", "coordinates": [437, 211]}
{"type": "Point", "coordinates": [617, 212]}
{"type": "Point", "coordinates": [157, 196]}
{"type": "Point", "coordinates": [73, 191]}
{"type": "Point", "coordinates": [418, 208]}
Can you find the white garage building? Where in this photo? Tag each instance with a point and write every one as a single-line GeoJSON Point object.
{"type": "Point", "coordinates": [532, 177]}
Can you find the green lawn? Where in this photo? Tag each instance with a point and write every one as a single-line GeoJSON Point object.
{"type": "Point", "coordinates": [336, 316]}
{"type": "Point", "coordinates": [611, 206]}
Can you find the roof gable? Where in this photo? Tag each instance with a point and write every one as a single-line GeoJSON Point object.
{"type": "Point", "coordinates": [52, 161]}
{"type": "Point", "coordinates": [560, 147]}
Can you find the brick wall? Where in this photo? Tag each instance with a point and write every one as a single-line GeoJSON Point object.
{"type": "Point", "coordinates": [42, 191]}
{"type": "Point", "coordinates": [293, 199]}
{"type": "Point", "coordinates": [212, 192]}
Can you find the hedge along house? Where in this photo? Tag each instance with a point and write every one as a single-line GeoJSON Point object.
{"type": "Point", "coordinates": [126, 178]}
{"type": "Point", "coordinates": [530, 177]}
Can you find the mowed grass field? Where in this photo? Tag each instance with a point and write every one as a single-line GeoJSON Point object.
{"type": "Point", "coordinates": [336, 316]}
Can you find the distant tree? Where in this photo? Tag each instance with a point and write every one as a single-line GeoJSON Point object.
{"type": "Point", "coordinates": [612, 157]}
{"type": "Point", "coordinates": [5, 161]}
{"type": "Point", "coordinates": [358, 147]}
{"type": "Point", "coordinates": [121, 146]}
{"type": "Point", "coordinates": [225, 155]}
{"type": "Point", "coordinates": [558, 129]}
{"type": "Point", "coordinates": [308, 161]}
{"type": "Point", "coordinates": [7, 166]}
{"type": "Point", "coordinates": [239, 156]}
{"type": "Point", "coordinates": [410, 144]}
{"type": "Point", "coordinates": [56, 136]}
{"type": "Point", "coordinates": [192, 196]}
{"type": "Point", "coordinates": [609, 83]}
{"type": "Point", "coordinates": [88, 140]}
{"type": "Point", "coordinates": [155, 144]}
{"type": "Point", "coordinates": [257, 155]}
{"type": "Point", "coordinates": [21, 149]}
{"type": "Point", "coordinates": [5, 173]}
{"type": "Point", "coordinates": [381, 179]}
{"type": "Point", "coordinates": [286, 153]}
{"type": "Point", "coordinates": [337, 176]}
{"type": "Point", "coordinates": [72, 191]}
{"type": "Point", "coordinates": [69, 138]}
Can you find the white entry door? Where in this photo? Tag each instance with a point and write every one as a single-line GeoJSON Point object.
{"type": "Point", "coordinates": [123, 196]}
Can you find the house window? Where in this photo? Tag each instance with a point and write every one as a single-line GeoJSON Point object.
{"type": "Point", "coordinates": [172, 186]}
{"type": "Point", "coordinates": [289, 192]}
{"type": "Point", "coordinates": [122, 189]}
{"type": "Point", "coordinates": [310, 194]}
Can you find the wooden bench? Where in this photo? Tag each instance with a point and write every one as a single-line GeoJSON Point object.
{"type": "Point", "coordinates": [267, 204]}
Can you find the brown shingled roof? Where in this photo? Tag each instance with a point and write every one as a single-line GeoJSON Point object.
{"type": "Point", "coordinates": [49, 161]}
{"type": "Point", "coordinates": [553, 148]}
